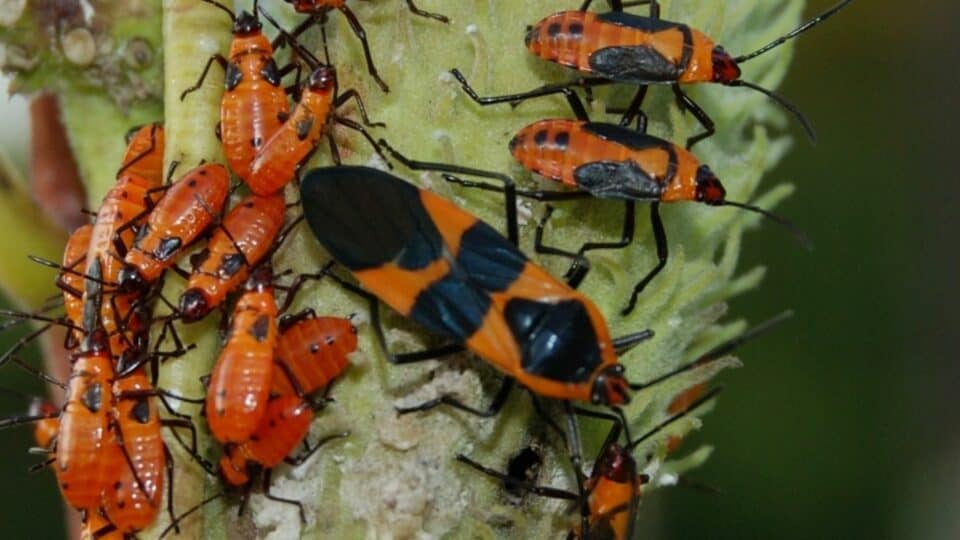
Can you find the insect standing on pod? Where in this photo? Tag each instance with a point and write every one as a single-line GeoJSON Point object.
{"type": "Point", "coordinates": [292, 145]}
{"type": "Point", "coordinates": [317, 9]}
{"type": "Point", "coordinates": [619, 47]}
{"type": "Point", "coordinates": [606, 161]}
{"type": "Point", "coordinates": [237, 245]}
{"type": "Point", "coordinates": [240, 383]}
{"type": "Point", "coordinates": [185, 212]}
{"type": "Point", "coordinates": [311, 352]}
{"type": "Point", "coordinates": [254, 103]}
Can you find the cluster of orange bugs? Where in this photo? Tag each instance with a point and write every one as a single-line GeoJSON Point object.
{"type": "Point", "coordinates": [432, 262]}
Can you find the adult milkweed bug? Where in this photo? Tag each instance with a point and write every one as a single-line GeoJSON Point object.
{"type": "Point", "coordinates": [455, 275]}
{"type": "Point", "coordinates": [611, 162]}
{"type": "Point", "coordinates": [319, 8]}
{"type": "Point", "coordinates": [185, 211]}
{"type": "Point", "coordinates": [295, 141]}
{"type": "Point", "coordinates": [619, 47]}
{"type": "Point", "coordinates": [239, 385]}
{"type": "Point", "coordinates": [246, 235]}
{"type": "Point", "coordinates": [254, 104]}
{"type": "Point", "coordinates": [311, 352]}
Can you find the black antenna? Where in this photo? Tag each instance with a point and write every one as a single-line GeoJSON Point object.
{"type": "Point", "coordinates": [803, 28]}
{"type": "Point", "coordinates": [693, 406]}
{"type": "Point", "coordinates": [719, 351]}
{"type": "Point", "coordinates": [796, 231]}
{"type": "Point", "coordinates": [782, 101]}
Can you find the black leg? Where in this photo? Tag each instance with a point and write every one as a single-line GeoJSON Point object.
{"type": "Point", "coordinates": [266, 493]}
{"type": "Point", "coordinates": [509, 188]}
{"type": "Point", "coordinates": [417, 11]}
{"type": "Point", "coordinates": [578, 268]}
{"type": "Point", "coordinates": [576, 461]}
{"type": "Point", "coordinates": [572, 98]}
{"type": "Point", "coordinates": [684, 102]}
{"type": "Point", "coordinates": [334, 151]}
{"type": "Point", "coordinates": [366, 135]}
{"type": "Point", "coordinates": [634, 110]}
{"type": "Point", "coordinates": [362, 36]}
{"type": "Point", "coordinates": [298, 460]}
{"type": "Point", "coordinates": [543, 491]}
{"type": "Point", "coordinates": [219, 58]}
{"type": "Point", "coordinates": [660, 236]}
{"type": "Point", "coordinates": [354, 95]}
{"type": "Point", "coordinates": [495, 406]}
{"type": "Point", "coordinates": [169, 466]}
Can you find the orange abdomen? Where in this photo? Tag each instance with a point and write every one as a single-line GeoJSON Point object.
{"type": "Point", "coordinates": [81, 465]}
{"type": "Point", "coordinates": [313, 352]}
{"type": "Point", "coordinates": [610, 503]}
{"type": "Point", "coordinates": [254, 109]}
{"type": "Point", "coordinates": [133, 499]}
{"type": "Point", "coordinates": [144, 154]}
{"type": "Point", "coordinates": [278, 159]}
{"type": "Point", "coordinates": [241, 380]}
{"type": "Point", "coordinates": [184, 213]}
{"type": "Point", "coordinates": [74, 255]}
{"type": "Point", "coordinates": [285, 423]}
{"type": "Point", "coordinates": [253, 224]}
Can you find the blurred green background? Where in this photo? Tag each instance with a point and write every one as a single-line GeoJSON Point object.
{"type": "Point", "coordinates": [839, 425]}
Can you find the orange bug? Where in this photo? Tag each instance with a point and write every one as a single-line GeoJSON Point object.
{"type": "Point", "coordinates": [132, 499]}
{"type": "Point", "coordinates": [319, 8]}
{"type": "Point", "coordinates": [254, 103]}
{"type": "Point", "coordinates": [74, 255]}
{"type": "Point", "coordinates": [144, 154]}
{"type": "Point", "coordinates": [285, 423]}
{"type": "Point", "coordinates": [81, 459]}
{"type": "Point", "coordinates": [292, 145]}
{"type": "Point", "coordinates": [610, 162]}
{"type": "Point", "coordinates": [184, 212]}
{"type": "Point", "coordinates": [241, 379]}
{"type": "Point", "coordinates": [619, 47]}
{"type": "Point", "coordinates": [243, 239]}
{"type": "Point", "coordinates": [311, 352]}
{"type": "Point", "coordinates": [123, 209]}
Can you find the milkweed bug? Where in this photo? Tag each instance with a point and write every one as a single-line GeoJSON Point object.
{"type": "Point", "coordinates": [319, 8]}
{"type": "Point", "coordinates": [254, 103]}
{"type": "Point", "coordinates": [239, 243]}
{"type": "Point", "coordinates": [70, 281]}
{"type": "Point", "coordinates": [456, 276]}
{"type": "Point", "coordinates": [610, 162]}
{"type": "Point", "coordinates": [311, 352]}
{"type": "Point", "coordinates": [619, 47]}
{"type": "Point", "coordinates": [185, 211]}
{"type": "Point", "coordinates": [144, 154]}
{"type": "Point", "coordinates": [295, 141]}
{"type": "Point", "coordinates": [240, 382]}
{"type": "Point", "coordinates": [284, 425]}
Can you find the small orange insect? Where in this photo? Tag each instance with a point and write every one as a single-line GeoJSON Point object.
{"type": "Point", "coordinates": [285, 424]}
{"type": "Point", "coordinates": [254, 104]}
{"type": "Point", "coordinates": [144, 154]}
{"type": "Point", "coordinates": [71, 283]}
{"type": "Point", "coordinates": [185, 212]}
{"type": "Point", "coordinates": [311, 352]}
{"type": "Point", "coordinates": [245, 237]}
{"type": "Point", "coordinates": [241, 379]}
